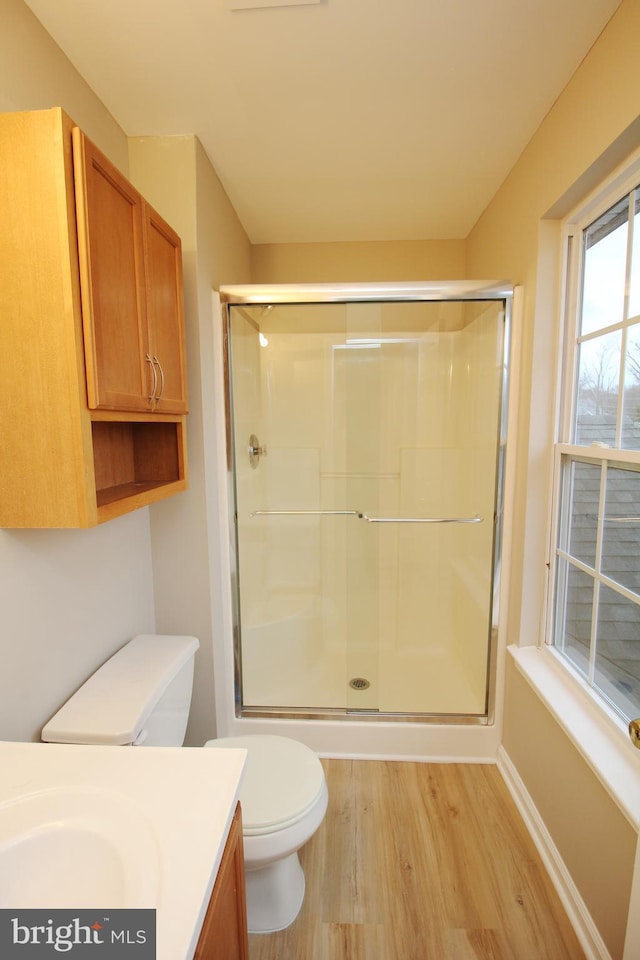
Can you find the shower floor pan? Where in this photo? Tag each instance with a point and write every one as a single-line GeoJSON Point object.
{"type": "Point", "coordinates": [420, 683]}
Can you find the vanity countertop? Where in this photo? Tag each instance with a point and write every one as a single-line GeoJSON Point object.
{"type": "Point", "coordinates": [184, 798]}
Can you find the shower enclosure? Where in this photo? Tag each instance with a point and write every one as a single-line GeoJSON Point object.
{"type": "Point", "coordinates": [366, 432]}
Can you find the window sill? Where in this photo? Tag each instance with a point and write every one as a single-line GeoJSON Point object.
{"type": "Point", "coordinates": [600, 737]}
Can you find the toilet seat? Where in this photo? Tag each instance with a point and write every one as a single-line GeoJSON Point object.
{"type": "Point", "coordinates": [283, 781]}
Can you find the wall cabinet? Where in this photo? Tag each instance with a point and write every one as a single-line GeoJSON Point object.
{"type": "Point", "coordinates": [224, 931]}
{"type": "Point", "coordinates": [131, 289]}
{"type": "Point", "coordinates": [93, 391]}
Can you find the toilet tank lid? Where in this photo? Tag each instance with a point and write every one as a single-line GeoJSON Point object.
{"type": "Point", "coordinates": [112, 706]}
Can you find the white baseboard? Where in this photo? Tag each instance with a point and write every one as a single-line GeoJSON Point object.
{"type": "Point", "coordinates": [579, 917]}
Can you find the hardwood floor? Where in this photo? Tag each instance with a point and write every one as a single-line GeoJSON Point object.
{"type": "Point", "coordinates": [422, 862]}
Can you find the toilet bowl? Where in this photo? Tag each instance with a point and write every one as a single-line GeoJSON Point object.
{"type": "Point", "coordinates": [284, 799]}
{"type": "Point", "coordinates": [141, 697]}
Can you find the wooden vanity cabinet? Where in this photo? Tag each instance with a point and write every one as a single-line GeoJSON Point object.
{"type": "Point", "coordinates": [68, 460]}
{"type": "Point", "coordinates": [224, 931]}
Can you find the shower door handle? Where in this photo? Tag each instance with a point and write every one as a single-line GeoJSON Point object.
{"type": "Point", "coordinates": [365, 516]}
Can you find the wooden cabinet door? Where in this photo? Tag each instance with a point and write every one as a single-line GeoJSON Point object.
{"type": "Point", "coordinates": [111, 252]}
{"type": "Point", "coordinates": [165, 314]}
{"type": "Point", "coordinates": [224, 931]}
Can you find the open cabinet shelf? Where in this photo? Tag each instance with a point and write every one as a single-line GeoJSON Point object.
{"type": "Point", "coordinates": [135, 461]}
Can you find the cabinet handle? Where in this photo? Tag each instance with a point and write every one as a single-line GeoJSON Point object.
{"type": "Point", "coordinates": [156, 361]}
{"type": "Point", "coordinates": [152, 395]}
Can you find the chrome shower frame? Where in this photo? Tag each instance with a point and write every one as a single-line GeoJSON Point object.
{"type": "Point", "coordinates": [270, 295]}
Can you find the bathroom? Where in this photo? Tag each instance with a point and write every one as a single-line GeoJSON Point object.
{"type": "Point", "coordinates": [156, 569]}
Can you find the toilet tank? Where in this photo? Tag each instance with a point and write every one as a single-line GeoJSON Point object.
{"type": "Point", "coordinates": [141, 696]}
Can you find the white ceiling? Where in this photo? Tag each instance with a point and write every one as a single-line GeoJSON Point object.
{"type": "Point", "coordinates": [337, 119]}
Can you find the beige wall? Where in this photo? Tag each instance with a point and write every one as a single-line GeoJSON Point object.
{"type": "Point", "coordinates": [69, 598]}
{"type": "Point", "coordinates": [591, 127]}
{"type": "Point", "coordinates": [35, 75]}
{"type": "Point", "coordinates": [594, 839]}
{"type": "Point", "coordinates": [358, 262]}
{"type": "Point", "coordinates": [177, 178]}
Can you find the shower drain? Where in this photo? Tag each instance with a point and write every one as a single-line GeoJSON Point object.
{"type": "Point", "coordinates": [359, 683]}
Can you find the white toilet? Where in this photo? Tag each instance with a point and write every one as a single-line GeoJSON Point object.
{"type": "Point", "coordinates": [141, 697]}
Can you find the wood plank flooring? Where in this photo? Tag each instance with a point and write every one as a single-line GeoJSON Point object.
{"type": "Point", "coordinates": [422, 862]}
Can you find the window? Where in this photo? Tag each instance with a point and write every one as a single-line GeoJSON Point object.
{"type": "Point", "coordinates": [595, 611]}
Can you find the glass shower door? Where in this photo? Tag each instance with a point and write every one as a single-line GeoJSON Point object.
{"type": "Point", "coordinates": [366, 441]}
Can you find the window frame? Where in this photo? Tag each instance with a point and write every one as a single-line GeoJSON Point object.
{"type": "Point", "coordinates": [565, 450]}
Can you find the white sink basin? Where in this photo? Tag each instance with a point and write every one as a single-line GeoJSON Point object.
{"type": "Point", "coordinates": [76, 848]}
{"type": "Point", "coordinates": [86, 827]}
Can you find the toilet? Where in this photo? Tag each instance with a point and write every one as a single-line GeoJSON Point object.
{"type": "Point", "coordinates": [141, 697]}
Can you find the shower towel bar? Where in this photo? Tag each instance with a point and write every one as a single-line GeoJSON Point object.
{"type": "Point", "coordinates": [363, 516]}
{"type": "Point", "coordinates": [305, 513]}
